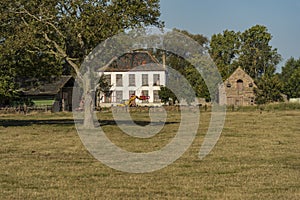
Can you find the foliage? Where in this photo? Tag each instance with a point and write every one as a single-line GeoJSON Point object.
{"type": "Point", "coordinates": [166, 95]}
{"type": "Point", "coordinates": [268, 90]}
{"type": "Point", "coordinates": [67, 31]}
{"type": "Point", "coordinates": [250, 50]}
{"type": "Point", "coordinates": [7, 81]}
{"type": "Point", "coordinates": [40, 38]}
{"type": "Point", "coordinates": [7, 89]}
{"type": "Point", "coordinates": [187, 69]}
{"type": "Point", "coordinates": [224, 50]}
{"type": "Point", "coordinates": [290, 77]}
{"type": "Point", "coordinates": [256, 55]}
{"type": "Point", "coordinates": [199, 38]}
{"type": "Point", "coordinates": [104, 86]}
{"type": "Point", "coordinates": [16, 52]}
{"type": "Point", "coordinates": [197, 82]}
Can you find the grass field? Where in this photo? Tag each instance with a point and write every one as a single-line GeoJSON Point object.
{"type": "Point", "coordinates": [256, 157]}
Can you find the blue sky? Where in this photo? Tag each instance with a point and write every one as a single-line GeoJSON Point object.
{"type": "Point", "coordinates": [281, 17]}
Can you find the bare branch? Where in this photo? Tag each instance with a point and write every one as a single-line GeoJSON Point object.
{"type": "Point", "coordinates": [51, 52]}
{"type": "Point", "coordinates": [24, 21]}
{"type": "Point", "coordinates": [43, 21]}
{"type": "Point", "coordinates": [103, 68]}
{"type": "Point", "coordinates": [64, 55]}
{"type": "Point", "coordinates": [31, 15]}
{"type": "Point", "coordinates": [56, 29]}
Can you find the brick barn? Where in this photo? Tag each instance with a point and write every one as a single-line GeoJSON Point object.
{"type": "Point", "coordinates": [239, 89]}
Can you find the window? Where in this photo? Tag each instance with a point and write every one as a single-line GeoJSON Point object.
{"type": "Point", "coordinates": [250, 84]}
{"type": "Point", "coordinates": [131, 93]}
{"type": "Point", "coordinates": [131, 79]}
{"type": "Point", "coordinates": [145, 96]}
{"type": "Point", "coordinates": [107, 99]}
{"type": "Point", "coordinates": [239, 85]}
{"type": "Point", "coordinates": [251, 100]}
{"type": "Point", "coordinates": [119, 81]}
{"type": "Point", "coordinates": [108, 78]}
{"type": "Point", "coordinates": [119, 96]}
{"type": "Point", "coordinates": [156, 79]}
{"type": "Point", "coordinates": [156, 98]}
{"type": "Point", "coordinates": [144, 79]}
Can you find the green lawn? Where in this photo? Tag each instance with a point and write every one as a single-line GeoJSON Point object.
{"type": "Point", "coordinates": [256, 157]}
{"type": "Point", "coordinates": [43, 102]}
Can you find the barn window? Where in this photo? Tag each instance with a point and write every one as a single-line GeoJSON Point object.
{"type": "Point", "coordinates": [239, 85]}
{"type": "Point", "coordinates": [251, 100]}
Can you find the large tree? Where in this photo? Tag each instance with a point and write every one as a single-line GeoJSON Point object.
{"type": "Point", "coordinates": [256, 55]}
{"type": "Point", "coordinates": [67, 30]}
{"type": "Point", "coordinates": [224, 50]}
{"type": "Point", "coordinates": [250, 49]}
{"type": "Point", "coordinates": [269, 90]}
{"type": "Point", "coordinates": [7, 82]}
{"type": "Point", "coordinates": [185, 68]}
{"type": "Point", "coordinates": [290, 77]}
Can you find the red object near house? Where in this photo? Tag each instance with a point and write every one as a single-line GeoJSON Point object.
{"type": "Point", "coordinates": [144, 97]}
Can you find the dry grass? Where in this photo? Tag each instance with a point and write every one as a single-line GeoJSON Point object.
{"type": "Point", "coordinates": [257, 157]}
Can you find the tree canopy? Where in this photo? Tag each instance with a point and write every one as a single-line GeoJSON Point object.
{"type": "Point", "coordinates": [224, 50]}
{"type": "Point", "coordinates": [250, 49]}
{"type": "Point", "coordinates": [185, 68]}
{"type": "Point", "coordinates": [62, 33]}
{"type": "Point", "coordinates": [41, 38]}
{"type": "Point", "coordinates": [269, 90]}
{"type": "Point", "coordinates": [290, 77]}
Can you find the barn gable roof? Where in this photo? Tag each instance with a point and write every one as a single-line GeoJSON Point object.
{"type": "Point", "coordinates": [239, 73]}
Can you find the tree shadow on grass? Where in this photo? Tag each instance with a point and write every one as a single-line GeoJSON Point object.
{"type": "Point", "coordinates": [64, 122]}
{"type": "Point", "coordinates": [13, 122]}
{"type": "Point", "coordinates": [129, 122]}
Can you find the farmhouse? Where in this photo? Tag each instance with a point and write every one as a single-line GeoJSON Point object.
{"type": "Point", "coordinates": [133, 74]}
{"type": "Point", "coordinates": [239, 89]}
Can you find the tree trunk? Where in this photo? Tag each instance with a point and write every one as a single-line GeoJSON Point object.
{"type": "Point", "coordinates": [88, 112]}
{"type": "Point", "coordinates": [88, 103]}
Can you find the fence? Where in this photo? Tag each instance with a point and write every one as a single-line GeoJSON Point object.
{"type": "Point", "coordinates": [24, 109]}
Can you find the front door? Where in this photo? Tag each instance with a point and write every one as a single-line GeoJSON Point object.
{"type": "Point", "coordinates": [239, 101]}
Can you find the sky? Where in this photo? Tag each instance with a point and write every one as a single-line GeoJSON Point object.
{"type": "Point", "coordinates": [208, 17]}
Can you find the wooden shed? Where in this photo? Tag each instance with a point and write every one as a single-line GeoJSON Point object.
{"type": "Point", "coordinates": [58, 92]}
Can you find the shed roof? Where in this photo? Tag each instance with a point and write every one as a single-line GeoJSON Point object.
{"type": "Point", "coordinates": [47, 88]}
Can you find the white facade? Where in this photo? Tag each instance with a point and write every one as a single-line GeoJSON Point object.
{"type": "Point", "coordinates": [139, 83]}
